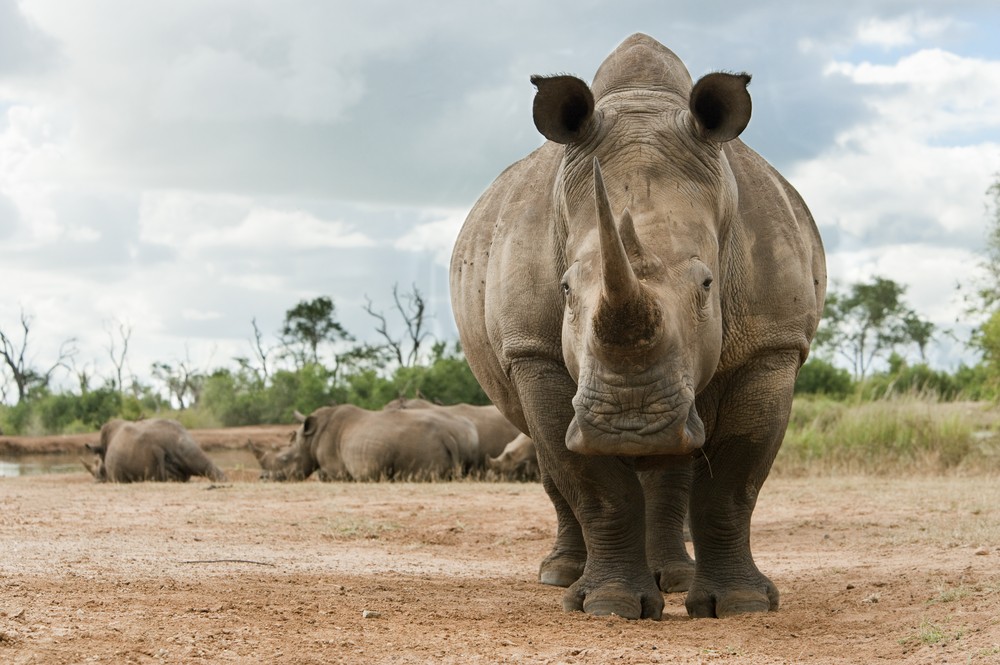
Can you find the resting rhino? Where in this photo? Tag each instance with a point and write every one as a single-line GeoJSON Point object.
{"type": "Point", "coordinates": [154, 449]}
{"type": "Point", "coordinates": [346, 442]}
{"type": "Point", "coordinates": [493, 429]}
{"type": "Point", "coordinates": [518, 460]}
{"type": "Point", "coordinates": [638, 295]}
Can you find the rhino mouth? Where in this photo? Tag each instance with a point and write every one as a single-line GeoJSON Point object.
{"type": "Point", "coordinates": [664, 427]}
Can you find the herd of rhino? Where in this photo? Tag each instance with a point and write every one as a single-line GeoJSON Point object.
{"type": "Point", "coordinates": [410, 439]}
{"type": "Point", "coordinates": [637, 295]}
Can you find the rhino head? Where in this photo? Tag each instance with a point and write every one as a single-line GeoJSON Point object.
{"type": "Point", "coordinates": [284, 463]}
{"type": "Point", "coordinates": [644, 200]}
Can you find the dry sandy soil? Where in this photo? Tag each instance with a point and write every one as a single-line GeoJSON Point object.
{"type": "Point", "coordinates": [870, 571]}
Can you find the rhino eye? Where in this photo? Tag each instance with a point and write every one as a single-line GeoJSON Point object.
{"type": "Point", "coordinates": [707, 284]}
{"type": "Point", "coordinates": [565, 288]}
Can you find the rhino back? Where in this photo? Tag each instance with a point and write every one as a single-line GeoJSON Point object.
{"type": "Point", "coordinates": [493, 430]}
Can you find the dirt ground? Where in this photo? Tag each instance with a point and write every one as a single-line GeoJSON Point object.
{"type": "Point", "coordinates": [870, 571]}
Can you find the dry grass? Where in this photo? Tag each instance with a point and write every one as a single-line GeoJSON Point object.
{"type": "Point", "coordinates": [905, 435]}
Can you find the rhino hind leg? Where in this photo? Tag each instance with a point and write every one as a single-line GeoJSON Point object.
{"type": "Point", "coordinates": [666, 488]}
{"type": "Point", "coordinates": [174, 469]}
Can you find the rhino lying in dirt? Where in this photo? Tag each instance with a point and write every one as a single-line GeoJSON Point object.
{"type": "Point", "coordinates": [152, 449]}
{"type": "Point", "coordinates": [346, 442]}
{"type": "Point", "coordinates": [495, 431]}
{"type": "Point", "coordinates": [518, 461]}
{"type": "Point", "coordinates": [638, 295]}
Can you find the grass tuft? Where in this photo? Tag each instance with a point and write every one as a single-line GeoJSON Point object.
{"type": "Point", "coordinates": [903, 435]}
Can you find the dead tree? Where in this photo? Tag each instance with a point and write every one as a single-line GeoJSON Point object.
{"type": "Point", "coordinates": [15, 359]}
{"type": "Point", "coordinates": [411, 308]}
{"type": "Point", "coordinates": [118, 358]}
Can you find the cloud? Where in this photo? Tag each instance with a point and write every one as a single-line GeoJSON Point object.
{"type": "Point", "coordinates": [901, 30]}
{"type": "Point", "coordinates": [436, 237]}
{"type": "Point", "coordinates": [904, 188]}
{"type": "Point", "coordinates": [198, 224]}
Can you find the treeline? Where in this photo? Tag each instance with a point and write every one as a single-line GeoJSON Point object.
{"type": "Point", "coordinates": [314, 362]}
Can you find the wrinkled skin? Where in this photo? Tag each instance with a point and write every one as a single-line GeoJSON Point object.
{"type": "Point", "coordinates": [155, 449]}
{"type": "Point", "coordinates": [638, 295]}
{"type": "Point", "coordinates": [518, 461]}
{"type": "Point", "coordinates": [346, 442]}
{"type": "Point", "coordinates": [493, 429]}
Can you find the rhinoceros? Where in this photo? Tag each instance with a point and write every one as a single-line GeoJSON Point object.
{"type": "Point", "coordinates": [493, 429]}
{"type": "Point", "coordinates": [346, 442]}
{"type": "Point", "coordinates": [154, 449]}
{"type": "Point", "coordinates": [638, 295]}
{"type": "Point", "coordinates": [518, 461]}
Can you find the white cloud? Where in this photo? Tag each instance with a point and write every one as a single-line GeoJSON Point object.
{"type": "Point", "coordinates": [930, 92]}
{"type": "Point", "coordinates": [905, 189]}
{"type": "Point", "coordinates": [900, 30]}
{"type": "Point", "coordinates": [30, 151]}
{"type": "Point", "coordinates": [199, 223]}
{"type": "Point", "coordinates": [436, 237]}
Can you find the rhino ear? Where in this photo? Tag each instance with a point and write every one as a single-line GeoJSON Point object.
{"type": "Point", "coordinates": [721, 105]}
{"type": "Point", "coordinates": [309, 426]}
{"type": "Point", "coordinates": [563, 108]}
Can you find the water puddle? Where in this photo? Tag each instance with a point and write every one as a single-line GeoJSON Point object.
{"type": "Point", "coordinates": [12, 466]}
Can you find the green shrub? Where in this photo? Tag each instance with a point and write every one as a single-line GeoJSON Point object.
{"type": "Point", "coordinates": [819, 377]}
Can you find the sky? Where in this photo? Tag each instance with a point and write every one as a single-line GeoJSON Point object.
{"type": "Point", "coordinates": [186, 168]}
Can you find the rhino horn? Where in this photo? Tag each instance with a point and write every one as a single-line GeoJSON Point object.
{"type": "Point", "coordinates": [620, 281]}
{"type": "Point", "coordinates": [626, 314]}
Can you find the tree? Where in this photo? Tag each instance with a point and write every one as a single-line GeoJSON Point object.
{"type": "Point", "coordinates": [984, 302]}
{"type": "Point", "coordinates": [261, 354]}
{"type": "Point", "coordinates": [411, 308]}
{"type": "Point", "coordinates": [182, 381]}
{"type": "Point", "coordinates": [869, 322]}
{"type": "Point", "coordinates": [25, 377]}
{"type": "Point", "coordinates": [309, 324]}
{"type": "Point", "coordinates": [118, 357]}
{"type": "Point", "coordinates": [986, 298]}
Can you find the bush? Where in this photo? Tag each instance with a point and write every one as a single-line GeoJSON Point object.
{"type": "Point", "coordinates": [819, 377]}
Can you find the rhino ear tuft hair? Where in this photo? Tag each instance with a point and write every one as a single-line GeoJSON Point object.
{"type": "Point", "coordinates": [563, 107]}
{"type": "Point", "coordinates": [721, 105]}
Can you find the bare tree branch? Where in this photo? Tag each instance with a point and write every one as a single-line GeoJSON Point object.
{"type": "Point", "coordinates": [26, 377]}
{"type": "Point", "coordinates": [383, 329]}
{"type": "Point", "coordinates": [119, 359]}
{"type": "Point", "coordinates": [259, 351]}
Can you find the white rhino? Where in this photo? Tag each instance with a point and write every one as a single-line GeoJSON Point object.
{"type": "Point", "coordinates": [493, 429]}
{"type": "Point", "coordinates": [518, 461]}
{"type": "Point", "coordinates": [638, 295]}
{"type": "Point", "coordinates": [346, 442]}
{"type": "Point", "coordinates": [154, 449]}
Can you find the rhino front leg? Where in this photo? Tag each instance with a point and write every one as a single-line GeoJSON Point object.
{"type": "Point", "coordinates": [564, 564]}
{"type": "Point", "coordinates": [667, 490]}
{"type": "Point", "coordinates": [750, 423]}
{"type": "Point", "coordinates": [604, 496]}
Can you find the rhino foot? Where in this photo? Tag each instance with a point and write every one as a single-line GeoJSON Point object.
{"type": "Point", "coordinates": [675, 577]}
{"type": "Point", "coordinates": [637, 601]}
{"type": "Point", "coordinates": [704, 602]}
{"type": "Point", "coordinates": [561, 569]}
